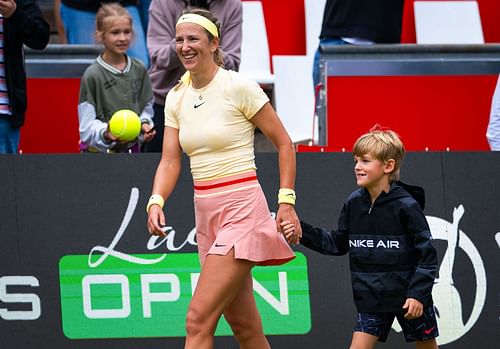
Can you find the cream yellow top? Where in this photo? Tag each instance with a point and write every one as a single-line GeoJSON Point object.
{"type": "Point", "coordinates": [214, 123]}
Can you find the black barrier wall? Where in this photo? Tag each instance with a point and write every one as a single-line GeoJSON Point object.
{"type": "Point", "coordinates": [78, 268]}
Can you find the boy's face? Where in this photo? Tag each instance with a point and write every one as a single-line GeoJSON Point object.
{"type": "Point", "coordinates": [372, 173]}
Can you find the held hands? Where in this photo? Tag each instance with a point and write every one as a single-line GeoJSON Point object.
{"type": "Point", "coordinates": [288, 230]}
{"type": "Point", "coordinates": [287, 222]}
{"type": "Point", "coordinates": [414, 308]}
{"type": "Point", "coordinates": [7, 7]}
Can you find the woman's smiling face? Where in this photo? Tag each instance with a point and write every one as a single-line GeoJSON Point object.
{"type": "Point", "coordinates": [193, 46]}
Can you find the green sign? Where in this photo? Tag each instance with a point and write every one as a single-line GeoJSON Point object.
{"type": "Point", "coordinates": [122, 299]}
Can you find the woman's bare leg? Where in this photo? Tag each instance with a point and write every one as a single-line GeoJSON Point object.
{"type": "Point", "coordinates": [244, 319]}
{"type": "Point", "coordinates": [220, 282]}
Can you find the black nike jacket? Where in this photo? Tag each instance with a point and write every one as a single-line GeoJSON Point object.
{"type": "Point", "coordinates": [390, 247]}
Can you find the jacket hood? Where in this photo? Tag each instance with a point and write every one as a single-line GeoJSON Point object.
{"type": "Point", "coordinates": [416, 192]}
{"type": "Point", "coordinates": [398, 190]}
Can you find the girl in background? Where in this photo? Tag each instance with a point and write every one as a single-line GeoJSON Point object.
{"type": "Point", "coordinates": [114, 81]}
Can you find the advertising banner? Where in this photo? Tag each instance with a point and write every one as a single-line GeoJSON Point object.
{"type": "Point", "coordinates": [78, 268]}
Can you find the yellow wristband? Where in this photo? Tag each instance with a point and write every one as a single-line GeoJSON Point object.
{"type": "Point", "coordinates": [286, 196]}
{"type": "Point", "coordinates": [155, 199]}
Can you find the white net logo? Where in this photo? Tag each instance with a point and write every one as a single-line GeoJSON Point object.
{"type": "Point", "coordinates": [447, 298]}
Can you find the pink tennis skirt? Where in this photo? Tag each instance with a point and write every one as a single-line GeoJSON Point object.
{"type": "Point", "coordinates": [232, 212]}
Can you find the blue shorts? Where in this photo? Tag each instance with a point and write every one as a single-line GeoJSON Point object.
{"type": "Point", "coordinates": [379, 325]}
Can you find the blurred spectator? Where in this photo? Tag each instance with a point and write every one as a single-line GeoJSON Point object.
{"type": "Point", "coordinates": [61, 33]}
{"type": "Point", "coordinates": [359, 22]}
{"type": "Point", "coordinates": [78, 18]}
{"type": "Point", "coordinates": [166, 69]}
{"type": "Point", "coordinates": [21, 23]}
{"type": "Point", "coordinates": [493, 132]}
{"type": "Point", "coordinates": [144, 12]}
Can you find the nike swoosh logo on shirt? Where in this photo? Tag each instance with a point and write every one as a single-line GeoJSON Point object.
{"type": "Point", "coordinates": [219, 245]}
{"type": "Point", "coordinates": [198, 105]}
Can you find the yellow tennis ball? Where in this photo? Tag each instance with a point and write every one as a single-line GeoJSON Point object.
{"type": "Point", "coordinates": [125, 125]}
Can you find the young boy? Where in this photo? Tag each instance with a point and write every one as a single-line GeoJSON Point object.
{"type": "Point", "coordinates": [392, 260]}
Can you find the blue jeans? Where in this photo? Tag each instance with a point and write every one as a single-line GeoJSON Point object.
{"type": "Point", "coordinates": [316, 75]}
{"type": "Point", "coordinates": [9, 136]}
{"type": "Point", "coordinates": [80, 29]}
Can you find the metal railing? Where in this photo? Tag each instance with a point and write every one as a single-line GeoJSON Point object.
{"type": "Point", "coordinates": [60, 61]}
{"type": "Point", "coordinates": [400, 60]}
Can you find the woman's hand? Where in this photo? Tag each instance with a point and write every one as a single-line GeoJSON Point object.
{"type": "Point", "coordinates": [156, 221]}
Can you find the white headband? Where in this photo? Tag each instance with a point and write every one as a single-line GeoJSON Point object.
{"type": "Point", "coordinates": [201, 21]}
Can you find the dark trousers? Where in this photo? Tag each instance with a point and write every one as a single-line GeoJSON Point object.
{"type": "Point", "coordinates": [159, 119]}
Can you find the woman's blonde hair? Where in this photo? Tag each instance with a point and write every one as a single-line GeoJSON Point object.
{"type": "Point", "coordinates": [384, 145]}
{"type": "Point", "coordinates": [218, 55]}
{"type": "Point", "coordinates": [105, 14]}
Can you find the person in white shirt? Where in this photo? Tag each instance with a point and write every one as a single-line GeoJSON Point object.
{"type": "Point", "coordinates": [493, 132]}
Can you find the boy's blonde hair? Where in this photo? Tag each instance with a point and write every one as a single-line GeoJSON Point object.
{"type": "Point", "coordinates": [383, 144]}
{"type": "Point", "coordinates": [106, 13]}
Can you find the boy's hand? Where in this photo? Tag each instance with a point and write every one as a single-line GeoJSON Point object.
{"type": "Point", "coordinates": [415, 309]}
{"type": "Point", "coordinates": [288, 230]}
